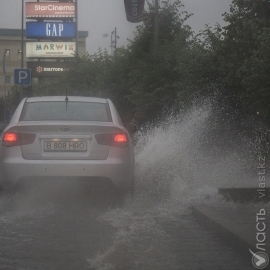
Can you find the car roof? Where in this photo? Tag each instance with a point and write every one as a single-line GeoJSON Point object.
{"type": "Point", "coordinates": [70, 98]}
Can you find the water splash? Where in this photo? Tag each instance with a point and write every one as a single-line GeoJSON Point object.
{"type": "Point", "coordinates": [180, 162]}
{"type": "Point", "coordinates": [187, 155]}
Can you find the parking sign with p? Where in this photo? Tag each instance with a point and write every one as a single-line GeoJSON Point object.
{"type": "Point", "coordinates": [22, 76]}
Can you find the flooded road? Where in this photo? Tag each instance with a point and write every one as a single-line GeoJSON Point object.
{"type": "Point", "coordinates": [63, 227]}
{"type": "Point", "coordinates": [48, 234]}
{"type": "Point", "coordinates": [44, 233]}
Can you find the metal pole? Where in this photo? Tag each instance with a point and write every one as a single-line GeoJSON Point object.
{"type": "Point", "coordinates": [115, 38]}
{"type": "Point", "coordinates": [22, 54]}
{"type": "Point", "coordinates": [111, 43]}
{"type": "Point", "coordinates": [22, 45]}
{"type": "Point", "coordinates": [76, 15]}
{"type": "Point", "coordinates": [156, 23]}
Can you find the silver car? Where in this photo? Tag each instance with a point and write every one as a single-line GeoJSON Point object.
{"type": "Point", "coordinates": [67, 137]}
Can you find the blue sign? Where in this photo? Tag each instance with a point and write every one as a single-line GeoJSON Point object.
{"type": "Point", "coordinates": [50, 30]}
{"type": "Point", "coordinates": [22, 76]}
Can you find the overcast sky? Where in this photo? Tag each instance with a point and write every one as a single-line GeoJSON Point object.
{"type": "Point", "coordinates": [100, 17]}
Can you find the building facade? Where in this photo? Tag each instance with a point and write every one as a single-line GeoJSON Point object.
{"type": "Point", "coordinates": [11, 58]}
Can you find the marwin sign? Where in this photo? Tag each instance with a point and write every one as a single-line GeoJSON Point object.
{"type": "Point", "coordinates": [50, 49]}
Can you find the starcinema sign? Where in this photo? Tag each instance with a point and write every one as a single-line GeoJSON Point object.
{"type": "Point", "coordinates": [50, 49]}
{"type": "Point", "coordinates": [50, 10]}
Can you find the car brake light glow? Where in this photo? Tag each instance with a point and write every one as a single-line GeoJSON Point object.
{"type": "Point", "coordinates": [15, 138]}
{"type": "Point", "coordinates": [116, 139]}
{"type": "Point", "coordinates": [11, 137]}
{"type": "Point", "coordinates": [120, 138]}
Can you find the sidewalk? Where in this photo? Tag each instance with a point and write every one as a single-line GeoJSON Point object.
{"type": "Point", "coordinates": [236, 223]}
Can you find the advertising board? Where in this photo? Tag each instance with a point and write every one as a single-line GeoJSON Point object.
{"type": "Point", "coordinates": [50, 49]}
{"type": "Point", "coordinates": [49, 10]}
{"type": "Point", "coordinates": [134, 10]}
{"type": "Point", "coordinates": [47, 69]}
{"type": "Point", "coordinates": [50, 30]}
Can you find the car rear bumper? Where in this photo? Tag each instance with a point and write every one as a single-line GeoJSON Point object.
{"type": "Point", "coordinates": [120, 174]}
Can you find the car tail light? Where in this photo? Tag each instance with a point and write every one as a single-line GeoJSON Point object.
{"type": "Point", "coordinates": [15, 138]}
{"type": "Point", "coordinates": [120, 138]}
{"type": "Point", "coordinates": [10, 139]}
{"type": "Point", "coordinates": [115, 139]}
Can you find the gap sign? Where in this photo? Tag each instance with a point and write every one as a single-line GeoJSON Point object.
{"type": "Point", "coordinates": [50, 30]}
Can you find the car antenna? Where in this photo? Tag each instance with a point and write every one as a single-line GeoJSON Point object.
{"type": "Point", "coordinates": [66, 99]}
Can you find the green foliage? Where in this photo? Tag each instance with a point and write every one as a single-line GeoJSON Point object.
{"type": "Point", "coordinates": [10, 102]}
{"type": "Point", "coordinates": [249, 29]}
{"type": "Point", "coordinates": [239, 57]}
{"type": "Point", "coordinates": [155, 72]}
{"type": "Point", "coordinates": [254, 74]}
{"type": "Point", "coordinates": [140, 79]}
{"type": "Point", "coordinates": [2, 109]}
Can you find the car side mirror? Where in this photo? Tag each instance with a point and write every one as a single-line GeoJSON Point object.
{"type": "Point", "coordinates": [131, 128]}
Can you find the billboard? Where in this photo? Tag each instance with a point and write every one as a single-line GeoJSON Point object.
{"type": "Point", "coordinates": [47, 69]}
{"type": "Point", "coordinates": [50, 49]}
{"type": "Point", "coordinates": [134, 10]}
{"type": "Point", "coordinates": [50, 30]}
{"type": "Point", "coordinates": [49, 10]}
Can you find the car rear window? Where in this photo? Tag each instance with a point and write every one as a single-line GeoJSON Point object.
{"type": "Point", "coordinates": [62, 111]}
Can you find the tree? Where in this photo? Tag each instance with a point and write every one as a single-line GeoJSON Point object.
{"type": "Point", "coordinates": [243, 54]}
{"type": "Point", "coordinates": [143, 79]}
{"type": "Point", "coordinates": [255, 78]}
{"type": "Point", "coordinates": [154, 71]}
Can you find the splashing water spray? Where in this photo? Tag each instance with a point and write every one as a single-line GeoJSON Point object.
{"type": "Point", "coordinates": [180, 161]}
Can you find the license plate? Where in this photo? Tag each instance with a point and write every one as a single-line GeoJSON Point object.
{"type": "Point", "coordinates": [65, 146]}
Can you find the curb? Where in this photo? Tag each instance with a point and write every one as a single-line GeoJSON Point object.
{"type": "Point", "coordinates": [225, 225]}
